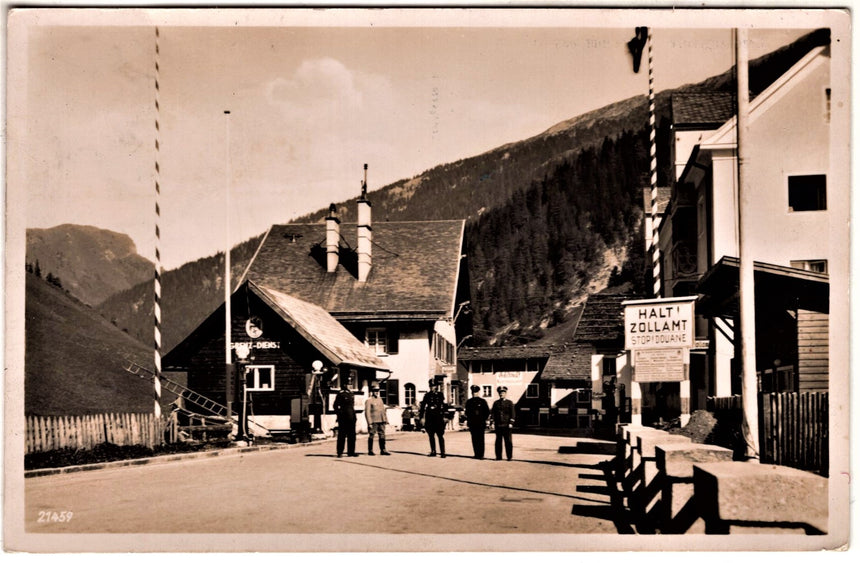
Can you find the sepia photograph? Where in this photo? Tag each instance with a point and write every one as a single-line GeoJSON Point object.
{"type": "Point", "coordinates": [411, 280]}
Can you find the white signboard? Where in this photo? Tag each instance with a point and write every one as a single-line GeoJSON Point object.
{"type": "Point", "coordinates": [510, 378]}
{"type": "Point", "coordinates": [659, 323]}
{"type": "Point", "coordinates": [659, 365]}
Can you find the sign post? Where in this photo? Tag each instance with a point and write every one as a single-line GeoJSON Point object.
{"type": "Point", "coordinates": [660, 333]}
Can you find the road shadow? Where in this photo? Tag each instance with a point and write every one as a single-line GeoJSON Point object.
{"type": "Point", "coordinates": [466, 481]}
{"type": "Point", "coordinates": [597, 448]}
{"type": "Point", "coordinates": [494, 460]}
{"type": "Point", "coordinates": [594, 476]}
{"type": "Point", "coordinates": [613, 509]}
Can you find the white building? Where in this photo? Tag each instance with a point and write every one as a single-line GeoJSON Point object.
{"type": "Point", "coordinates": [788, 166]}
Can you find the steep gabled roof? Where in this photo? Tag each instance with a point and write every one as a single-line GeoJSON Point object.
{"type": "Point", "coordinates": [725, 135]}
{"type": "Point", "coordinates": [602, 321]}
{"type": "Point", "coordinates": [414, 269]}
{"type": "Point", "coordinates": [701, 110]}
{"type": "Point", "coordinates": [312, 323]}
{"type": "Point", "coordinates": [320, 329]}
{"type": "Point", "coordinates": [569, 363]}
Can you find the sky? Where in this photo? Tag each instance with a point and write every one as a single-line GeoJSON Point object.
{"type": "Point", "coordinates": [312, 97]}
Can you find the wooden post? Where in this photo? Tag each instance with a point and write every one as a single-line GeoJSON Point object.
{"type": "Point", "coordinates": [746, 292]}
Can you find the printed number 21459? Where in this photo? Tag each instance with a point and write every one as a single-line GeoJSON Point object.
{"type": "Point", "coordinates": [50, 516]}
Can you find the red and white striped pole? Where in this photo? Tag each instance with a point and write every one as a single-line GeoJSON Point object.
{"type": "Point", "coordinates": [655, 220]}
{"type": "Point", "coordinates": [156, 380]}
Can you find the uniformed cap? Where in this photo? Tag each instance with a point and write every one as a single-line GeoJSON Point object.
{"type": "Point", "coordinates": [475, 388]}
{"type": "Point", "coordinates": [432, 382]}
{"type": "Point", "coordinates": [374, 386]}
{"type": "Point", "coordinates": [502, 389]}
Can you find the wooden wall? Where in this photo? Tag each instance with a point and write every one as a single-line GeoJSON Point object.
{"type": "Point", "coordinates": [812, 351]}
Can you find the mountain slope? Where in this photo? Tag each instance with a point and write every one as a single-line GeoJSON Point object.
{"type": "Point", "coordinates": [550, 219]}
{"type": "Point", "coordinates": [74, 359]}
{"type": "Point", "coordinates": [466, 188]}
{"type": "Point", "coordinates": [91, 263]}
{"type": "Point", "coordinates": [189, 294]}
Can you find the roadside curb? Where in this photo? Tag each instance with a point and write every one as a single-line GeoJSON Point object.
{"type": "Point", "coordinates": [166, 458]}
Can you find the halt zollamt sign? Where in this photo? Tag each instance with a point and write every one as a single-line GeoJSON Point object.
{"type": "Point", "coordinates": [660, 332]}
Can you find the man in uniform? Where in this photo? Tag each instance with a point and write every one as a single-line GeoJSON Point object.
{"type": "Point", "coordinates": [377, 418]}
{"type": "Point", "coordinates": [344, 408]}
{"type": "Point", "coordinates": [432, 417]}
{"type": "Point", "coordinates": [503, 421]}
{"type": "Point", "coordinates": [477, 412]}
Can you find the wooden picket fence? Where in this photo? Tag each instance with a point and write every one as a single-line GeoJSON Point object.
{"type": "Point", "coordinates": [793, 427]}
{"type": "Point", "coordinates": [795, 430]}
{"type": "Point", "coordinates": [45, 433]}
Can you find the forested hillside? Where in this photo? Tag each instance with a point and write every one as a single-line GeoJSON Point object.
{"type": "Point", "coordinates": [533, 259]}
{"type": "Point", "coordinates": [550, 219]}
{"type": "Point", "coordinates": [189, 294]}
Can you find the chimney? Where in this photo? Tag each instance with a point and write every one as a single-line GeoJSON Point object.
{"type": "Point", "coordinates": [332, 238]}
{"type": "Point", "coordinates": [365, 232]}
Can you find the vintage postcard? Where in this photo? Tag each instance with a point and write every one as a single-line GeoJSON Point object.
{"type": "Point", "coordinates": [427, 280]}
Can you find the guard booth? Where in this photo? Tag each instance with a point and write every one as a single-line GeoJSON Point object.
{"type": "Point", "coordinates": [659, 334]}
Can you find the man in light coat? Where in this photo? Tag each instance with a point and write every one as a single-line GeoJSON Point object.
{"type": "Point", "coordinates": [377, 418]}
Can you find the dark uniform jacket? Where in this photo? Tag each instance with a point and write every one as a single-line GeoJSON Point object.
{"type": "Point", "coordinates": [344, 406]}
{"type": "Point", "coordinates": [433, 408]}
{"type": "Point", "coordinates": [503, 413]}
{"type": "Point", "coordinates": [477, 412]}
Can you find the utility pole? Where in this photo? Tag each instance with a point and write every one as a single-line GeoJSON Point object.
{"type": "Point", "coordinates": [746, 272]}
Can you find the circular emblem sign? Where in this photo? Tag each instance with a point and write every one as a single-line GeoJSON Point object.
{"type": "Point", "coordinates": [254, 327]}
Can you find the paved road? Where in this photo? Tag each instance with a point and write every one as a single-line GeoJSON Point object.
{"type": "Point", "coordinates": [307, 490]}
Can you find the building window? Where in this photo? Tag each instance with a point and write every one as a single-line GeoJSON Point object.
{"type": "Point", "coordinates": [582, 397]}
{"type": "Point", "coordinates": [487, 391]}
{"type": "Point", "coordinates": [260, 378]}
{"type": "Point", "coordinates": [377, 340]}
{"type": "Point", "coordinates": [409, 394]}
{"type": "Point", "coordinates": [609, 365]}
{"type": "Point", "coordinates": [442, 349]}
{"type": "Point", "coordinates": [533, 391]}
{"type": "Point", "coordinates": [807, 193]}
{"type": "Point", "coordinates": [455, 394]}
{"type": "Point", "coordinates": [389, 391]}
{"type": "Point", "coordinates": [818, 266]}
{"type": "Point", "coordinates": [827, 105]}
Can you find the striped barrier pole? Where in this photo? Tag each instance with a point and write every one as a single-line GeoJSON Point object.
{"type": "Point", "coordinates": [156, 380]}
{"type": "Point", "coordinates": [655, 220]}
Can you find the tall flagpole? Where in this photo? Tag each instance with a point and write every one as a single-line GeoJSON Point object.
{"type": "Point", "coordinates": [156, 380]}
{"type": "Point", "coordinates": [228, 355]}
{"type": "Point", "coordinates": [746, 293]}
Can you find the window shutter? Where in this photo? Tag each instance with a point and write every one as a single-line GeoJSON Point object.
{"type": "Point", "coordinates": [393, 341]}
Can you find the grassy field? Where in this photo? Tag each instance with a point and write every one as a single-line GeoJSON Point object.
{"type": "Point", "coordinates": [75, 359]}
